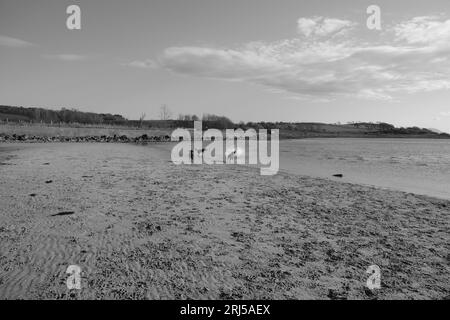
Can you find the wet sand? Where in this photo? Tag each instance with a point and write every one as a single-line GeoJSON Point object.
{"type": "Point", "coordinates": [142, 228]}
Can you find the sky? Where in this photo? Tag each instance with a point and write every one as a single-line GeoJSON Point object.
{"type": "Point", "coordinates": [249, 60]}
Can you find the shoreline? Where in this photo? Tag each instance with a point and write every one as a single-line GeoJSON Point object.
{"type": "Point", "coordinates": [165, 138]}
{"type": "Point", "coordinates": [16, 145]}
{"type": "Point", "coordinates": [368, 185]}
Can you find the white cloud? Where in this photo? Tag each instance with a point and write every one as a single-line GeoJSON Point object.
{"type": "Point", "coordinates": [145, 64]}
{"type": "Point", "coordinates": [422, 30]}
{"type": "Point", "coordinates": [306, 26]}
{"type": "Point", "coordinates": [320, 66]}
{"type": "Point", "coordinates": [66, 57]}
{"type": "Point", "coordinates": [13, 42]}
{"type": "Point", "coordinates": [320, 26]}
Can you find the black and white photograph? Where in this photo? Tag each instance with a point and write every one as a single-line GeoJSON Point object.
{"type": "Point", "coordinates": [232, 151]}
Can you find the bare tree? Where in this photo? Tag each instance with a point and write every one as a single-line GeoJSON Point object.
{"type": "Point", "coordinates": [141, 119]}
{"type": "Point", "coordinates": [164, 113]}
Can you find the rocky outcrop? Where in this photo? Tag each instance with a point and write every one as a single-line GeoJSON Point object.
{"type": "Point", "coordinates": [104, 139]}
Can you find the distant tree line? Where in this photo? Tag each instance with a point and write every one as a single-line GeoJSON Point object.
{"type": "Point", "coordinates": [17, 114]}
{"type": "Point", "coordinates": [64, 115]}
{"type": "Point", "coordinates": [209, 121]}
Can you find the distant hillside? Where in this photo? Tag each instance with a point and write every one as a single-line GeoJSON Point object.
{"type": "Point", "coordinates": [288, 130]}
{"type": "Point", "coordinates": [356, 130]}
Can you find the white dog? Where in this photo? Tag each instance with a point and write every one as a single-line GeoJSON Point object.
{"type": "Point", "coordinates": [200, 152]}
{"type": "Point", "coordinates": [233, 154]}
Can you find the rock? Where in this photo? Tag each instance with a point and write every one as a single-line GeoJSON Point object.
{"type": "Point", "coordinates": [103, 138]}
{"type": "Point", "coordinates": [147, 228]}
{"type": "Point", "coordinates": [336, 295]}
{"type": "Point", "coordinates": [372, 294]}
{"type": "Point", "coordinates": [63, 213]}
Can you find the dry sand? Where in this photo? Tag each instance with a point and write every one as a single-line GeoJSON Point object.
{"type": "Point", "coordinates": [143, 228]}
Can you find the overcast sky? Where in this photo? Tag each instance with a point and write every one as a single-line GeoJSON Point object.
{"type": "Point", "coordinates": [260, 60]}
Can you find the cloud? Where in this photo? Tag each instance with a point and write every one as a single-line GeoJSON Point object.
{"type": "Point", "coordinates": [320, 66]}
{"type": "Point", "coordinates": [320, 26]}
{"type": "Point", "coordinates": [145, 64]}
{"type": "Point", "coordinates": [69, 57]}
{"type": "Point", "coordinates": [423, 30]}
{"type": "Point", "coordinates": [13, 42]}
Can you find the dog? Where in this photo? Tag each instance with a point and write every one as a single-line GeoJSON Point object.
{"type": "Point", "coordinates": [199, 153]}
{"type": "Point", "coordinates": [233, 154]}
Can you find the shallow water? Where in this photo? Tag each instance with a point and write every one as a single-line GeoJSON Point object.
{"type": "Point", "coordinates": [419, 166]}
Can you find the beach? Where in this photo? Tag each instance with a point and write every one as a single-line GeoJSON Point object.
{"type": "Point", "coordinates": [141, 227]}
